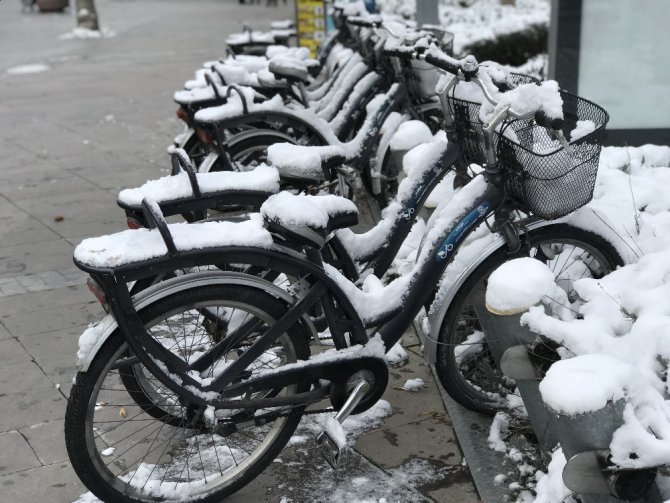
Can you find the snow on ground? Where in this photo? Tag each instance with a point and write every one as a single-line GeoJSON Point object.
{"type": "Point", "coordinates": [358, 481]}
{"type": "Point", "coordinates": [80, 33]}
{"type": "Point", "coordinates": [26, 69]}
{"type": "Point", "coordinates": [414, 384]}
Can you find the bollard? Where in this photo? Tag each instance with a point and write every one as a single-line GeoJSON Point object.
{"type": "Point", "coordinates": [585, 438]}
{"type": "Point", "coordinates": [509, 342]}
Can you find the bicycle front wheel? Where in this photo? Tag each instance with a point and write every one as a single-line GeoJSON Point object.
{"type": "Point", "coordinates": [129, 452]}
{"type": "Point", "coordinates": [464, 363]}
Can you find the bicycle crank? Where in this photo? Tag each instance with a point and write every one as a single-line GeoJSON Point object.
{"type": "Point", "coordinates": [331, 442]}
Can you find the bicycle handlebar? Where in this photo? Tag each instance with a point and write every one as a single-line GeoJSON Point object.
{"type": "Point", "coordinates": [542, 120]}
{"type": "Point", "coordinates": [366, 22]}
{"type": "Point", "coordinates": [401, 52]}
{"type": "Point", "coordinates": [441, 63]}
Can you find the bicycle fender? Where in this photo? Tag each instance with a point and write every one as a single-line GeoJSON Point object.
{"type": "Point", "coordinates": [233, 140]}
{"type": "Point", "coordinates": [208, 162]}
{"type": "Point", "coordinates": [585, 218]}
{"type": "Point", "coordinates": [106, 327]}
{"type": "Point", "coordinates": [212, 157]}
{"type": "Point", "coordinates": [184, 138]}
{"type": "Point", "coordinates": [180, 140]}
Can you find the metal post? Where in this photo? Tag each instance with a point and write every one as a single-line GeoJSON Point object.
{"type": "Point", "coordinates": [426, 12]}
{"type": "Point", "coordinates": [508, 341]}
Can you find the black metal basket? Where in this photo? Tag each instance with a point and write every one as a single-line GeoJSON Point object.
{"type": "Point", "coordinates": [543, 177]}
{"type": "Point", "coordinates": [470, 127]}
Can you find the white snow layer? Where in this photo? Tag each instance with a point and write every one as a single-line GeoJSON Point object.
{"type": "Point", "coordinates": [170, 188]}
{"type": "Point", "coordinates": [414, 384]}
{"type": "Point", "coordinates": [373, 304]}
{"type": "Point", "coordinates": [141, 244]}
{"type": "Point", "coordinates": [305, 161]}
{"type": "Point", "coordinates": [410, 134]}
{"type": "Point", "coordinates": [519, 284]}
{"type": "Point", "coordinates": [306, 210]}
{"type": "Point", "coordinates": [234, 107]}
{"type": "Point", "coordinates": [415, 163]}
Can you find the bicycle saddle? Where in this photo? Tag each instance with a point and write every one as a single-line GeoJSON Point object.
{"type": "Point", "coordinates": [269, 80]}
{"type": "Point", "coordinates": [307, 220]}
{"type": "Point", "coordinates": [313, 163]}
{"type": "Point", "coordinates": [289, 69]}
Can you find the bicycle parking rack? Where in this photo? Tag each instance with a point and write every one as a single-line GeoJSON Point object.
{"type": "Point", "coordinates": [585, 438]}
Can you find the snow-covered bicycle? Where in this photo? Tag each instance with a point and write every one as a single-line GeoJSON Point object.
{"type": "Point", "coordinates": [230, 396]}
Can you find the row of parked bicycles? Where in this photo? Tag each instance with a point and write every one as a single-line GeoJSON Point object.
{"type": "Point", "coordinates": [256, 304]}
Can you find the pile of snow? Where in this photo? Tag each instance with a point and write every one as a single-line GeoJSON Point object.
{"type": "Point", "coordinates": [414, 384]}
{"type": "Point", "coordinates": [519, 284]}
{"type": "Point", "coordinates": [80, 33]}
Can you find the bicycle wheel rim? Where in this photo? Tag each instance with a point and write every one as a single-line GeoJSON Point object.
{"type": "Point", "coordinates": [141, 486]}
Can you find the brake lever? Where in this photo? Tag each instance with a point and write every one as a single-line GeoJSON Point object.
{"type": "Point", "coordinates": [561, 139]}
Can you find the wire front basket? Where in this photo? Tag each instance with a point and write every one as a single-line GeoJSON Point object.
{"type": "Point", "coordinates": [542, 177]}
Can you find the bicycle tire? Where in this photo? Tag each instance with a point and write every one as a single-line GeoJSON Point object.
{"type": "Point", "coordinates": [477, 394]}
{"type": "Point", "coordinates": [80, 437]}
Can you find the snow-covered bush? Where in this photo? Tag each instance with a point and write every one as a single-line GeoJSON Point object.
{"type": "Point", "coordinates": [508, 34]}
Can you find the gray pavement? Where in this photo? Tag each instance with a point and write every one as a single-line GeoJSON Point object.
{"type": "Point", "coordinates": [98, 120]}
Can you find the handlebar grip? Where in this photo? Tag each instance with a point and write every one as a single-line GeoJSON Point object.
{"type": "Point", "coordinates": [441, 63]}
{"type": "Point", "coordinates": [542, 120]}
{"type": "Point", "coordinates": [405, 54]}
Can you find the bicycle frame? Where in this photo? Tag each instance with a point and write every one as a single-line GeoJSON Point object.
{"type": "Point", "coordinates": [482, 198]}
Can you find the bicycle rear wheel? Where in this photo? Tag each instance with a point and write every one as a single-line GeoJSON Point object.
{"type": "Point", "coordinates": [124, 453]}
{"type": "Point", "coordinates": [464, 363]}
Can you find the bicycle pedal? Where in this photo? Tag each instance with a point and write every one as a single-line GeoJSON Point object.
{"type": "Point", "coordinates": [330, 450]}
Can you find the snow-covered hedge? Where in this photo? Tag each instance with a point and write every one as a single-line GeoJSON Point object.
{"type": "Point", "coordinates": [508, 34]}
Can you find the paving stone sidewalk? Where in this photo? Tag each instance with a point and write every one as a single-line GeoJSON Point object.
{"type": "Point", "coordinates": [97, 120]}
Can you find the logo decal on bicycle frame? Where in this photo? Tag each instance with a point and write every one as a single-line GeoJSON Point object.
{"type": "Point", "coordinates": [463, 226]}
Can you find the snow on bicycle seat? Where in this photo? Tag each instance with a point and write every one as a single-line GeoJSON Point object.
{"type": "Point", "coordinates": [250, 62]}
{"type": "Point", "coordinates": [317, 162]}
{"type": "Point", "coordinates": [291, 52]}
{"type": "Point", "coordinates": [305, 162]}
{"type": "Point", "coordinates": [289, 69]}
{"type": "Point", "coordinates": [264, 179]}
{"type": "Point", "coordinates": [250, 37]}
{"type": "Point", "coordinates": [308, 219]}
{"type": "Point", "coordinates": [270, 80]}
{"type": "Point", "coordinates": [283, 24]}
{"type": "Point", "coordinates": [235, 107]}
{"type": "Point", "coordinates": [187, 97]}
{"type": "Point", "coordinates": [138, 245]}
